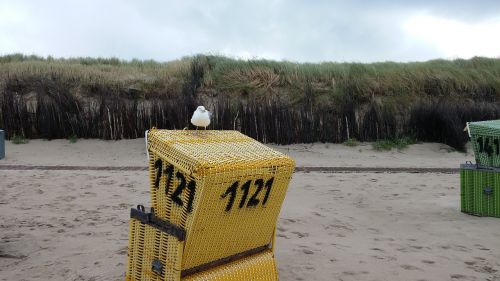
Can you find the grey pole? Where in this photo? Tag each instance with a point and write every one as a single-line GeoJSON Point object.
{"type": "Point", "coordinates": [2, 144]}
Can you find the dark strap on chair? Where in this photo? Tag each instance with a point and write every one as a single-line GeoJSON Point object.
{"type": "Point", "coordinates": [222, 261]}
{"type": "Point", "coordinates": [149, 218]}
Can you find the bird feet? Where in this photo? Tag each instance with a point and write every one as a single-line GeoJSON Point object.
{"type": "Point", "coordinates": [201, 134]}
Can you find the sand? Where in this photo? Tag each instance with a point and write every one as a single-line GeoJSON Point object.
{"type": "Point", "coordinates": [73, 225]}
{"type": "Point", "coordinates": [132, 153]}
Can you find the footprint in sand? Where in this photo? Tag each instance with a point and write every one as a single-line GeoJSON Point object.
{"type": "Point", "coordinates": [338, 246]}
{"type": "Point", "coordinates": [106, 182]}
{"type": "Point", "coordinates": [301, 234]}
{"type": "Point", "coordinates": [91, 194]}
{"type": "Point", "coordinates": [428, 261]}
{"type": "Point", "coordinates": [481, 247]}
{"type": "Point", "coordinates": [282, 236]}
{"type": "Point", "coordinates": [121, 206]}
{"type": "Point", "coordinates": [340, 226]}
{"type": "Point", "coordinates": [409, 267]}
{"type": "Point", "coordinates": [308, 267]}
{"type": "Point", "coordinates": [482, 266]}
{"type": "Point", "coordinates": [385, 258]}
{"type": "Point", "coordinates": [384, 239]}
{"type": "Point", "coordinates": [288, 221]}
{"type": "Point", "coordinates": [122, 251]}
{"type": "Point", "coordinates": [374, 230]}
{"type": "Point", "coordinates": [281, 229]}
{"type": "Point", "coordinates": [458, 276]}
{"type": "Point", "coordinates": [318, 214]}
{"type": "Point", "coordinates": [68, 198]}
{"type": "Point", "coordinates": [354, 273]}
{"type": "Point", "coordinates": [118, 222]}
{"type": "Point", "coordinates": [458, 248]}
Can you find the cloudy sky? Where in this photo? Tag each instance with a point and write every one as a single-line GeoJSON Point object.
{"type": "Point", "coordinates": [303, 31]}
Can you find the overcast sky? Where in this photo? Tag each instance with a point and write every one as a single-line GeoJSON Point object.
{"type": "Point", "coordinates": [303, 31]}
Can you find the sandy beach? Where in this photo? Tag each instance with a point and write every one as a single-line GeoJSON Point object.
{"type": "Point", "coordinates": [73, 225]}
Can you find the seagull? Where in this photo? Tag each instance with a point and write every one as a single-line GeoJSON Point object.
{"type": "Point", "coordinates": [201, 117]}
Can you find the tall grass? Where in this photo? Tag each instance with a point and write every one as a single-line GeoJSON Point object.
{"type": "Point", "coordinates": [280, 102]}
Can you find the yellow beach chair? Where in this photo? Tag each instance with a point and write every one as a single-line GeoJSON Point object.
{"type": "Point", "coordinates": [216, 197]}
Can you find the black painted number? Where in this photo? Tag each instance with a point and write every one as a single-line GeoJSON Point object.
{"type": "Point", "coordinates": [182, 184]}
{"type": "Point", "coordinates": [254, 200]}
{"type": "Point", "coordinates": [176, 195]}
{"type": "Point", "coordinates": [170, 172]}
{"type": "Point", "coordinates": [269, 184]}
{"type": "Point", "coordinates": [486, 146]}
{"type": "Point", "coordinates": [192, 190]}
{"type": "Point", "coordinates": [245, 188]}
{"type": "Point", "coordinates": [232, 192]}
{"type": "Point", "coordinates": [158, 166]}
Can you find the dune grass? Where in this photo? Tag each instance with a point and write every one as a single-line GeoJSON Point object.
{"type": "Point", "coordinates": [398, 143]}
{"type": "Point", "coordinates": [73, 139]}
{"type": "Point", "coordinates": [17, 139]}
{"type": "Point", "coordinates": [273, 101]}
{"type": "Point", "coordinates": [474, 78]}
{"type": "Point", "coordinates": [352, 142]}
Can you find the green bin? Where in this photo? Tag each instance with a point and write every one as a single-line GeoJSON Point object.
{"type": "Point", "coordinates": [480, 190]}
{"type": "Point", "coordinates": [485, 138]}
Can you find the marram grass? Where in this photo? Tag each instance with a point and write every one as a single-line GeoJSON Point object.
{"type": "Point", "coordinates": [281, 102]}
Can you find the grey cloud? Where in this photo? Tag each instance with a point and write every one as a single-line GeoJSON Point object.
{"type": "Point", "coordinates": [293, 30]}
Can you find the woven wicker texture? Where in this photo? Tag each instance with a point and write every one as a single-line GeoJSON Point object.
{"type": "Point", "coordinates": [224, 188]}
{"type": "Point", "coordinates": [467, 190]}
{"type": "Point", "coordinates": [135, 250]}
{"type": "Point", "coordinates": [480, 191]}
{"type": "Point", "coordinates": [258, 267]}
{"type": "Point", "coordinates": [485, 137]}
{"type": "Point", "coordinates": [150, 246]}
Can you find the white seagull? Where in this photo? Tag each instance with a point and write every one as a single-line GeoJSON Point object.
{"type": "Point", "coordinates": [201, 117]}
